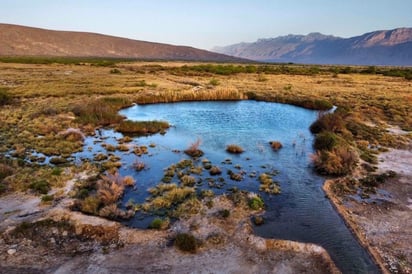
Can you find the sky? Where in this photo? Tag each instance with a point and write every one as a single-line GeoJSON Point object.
{"type": "Point", "coordinates": [208, 23]}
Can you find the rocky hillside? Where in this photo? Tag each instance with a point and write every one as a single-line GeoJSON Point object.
{"type": "Point", "coordinates": [26, 41]}
{"type": "Point", "coordinates": [389, 47]}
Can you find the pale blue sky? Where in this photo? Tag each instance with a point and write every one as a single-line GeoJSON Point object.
{"type": "Point", "coordinates": [205, 24]}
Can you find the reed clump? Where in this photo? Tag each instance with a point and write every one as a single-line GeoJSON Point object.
{"type": "Point", "coordinates": [142, 127]}
{"type": "Point", "coordinates": [235, 149]}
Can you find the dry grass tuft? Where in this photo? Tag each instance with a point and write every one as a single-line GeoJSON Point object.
{"type": "Point", "coordinates": [235, 149]}
{"type": "Point", "coordinates": [193, 150]}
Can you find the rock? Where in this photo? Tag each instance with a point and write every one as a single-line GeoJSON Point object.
{"type": "Point", "coordinates": [65, 233]}
{"type": "Point", "coordinates": [52, 240]}
{"type": "Point", "coordinates": [11, 251]}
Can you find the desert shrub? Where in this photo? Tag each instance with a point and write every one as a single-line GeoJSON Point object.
{"type": "Point", "coordinates": [142, 127]}
{"type": "Point", "coordinates": [224, 213]}
{"type": "Point", "coordinates": [328, 122]}
{"type": "Point", "coordinates": [268, 185]}
{"type": "Point", "coordinates": [186, 242]}
{"type": "Point", "coordinates": [325, 140]}
{"type": "Point", "coordinates": [90, 205]}
{"type": "Point", "coordinates": [72, 134]}
{"type": "Point", "coordinates": [215, 170]}
{"type": "Point", "coordinates": [340, 160]}
{"type": "Point", "coordinates": [235, 149]}
{"type": "Point", "coordinates": [276, 145]}
{"type": "Point", "coordinates": [187, 208]}
{"type": "Point", "coordinates": [110, 188]}
{"type": "Point", "coordinates": [164, 196]}
{"type": "Point", "coordinates": [129, 181]}
{"type": "Point", "coordinates": [374, 180]}
{"type": "Point", "coordinates": [256, 203]}
{"type": "Point", "coordinates": [207, 193]}
{"type": "Point", "coordinates": [369, 156]}
{"type": "Point", "coordinates": [58, 160]}
{"type": "Point", "coordinates": [258, 220]}
{"type": "Point", "coordinates": [159, 223]}
{"type": "Point", "coordinates": [193, 150]}
{"type": "Point", "coordinates": [5, 97]}
{"type": "Point", "coordinates": [47, 198]}
{"type": "Point", "coordinates": [5, 171]}
{"type": "Point", "coordinates": [214, 82]}
{"type": "Point", "coordinates": [114, 213]}
{"type": "Point", "coordinates": [100, 111]}
{"type": "Point", "coordinates": [115, 71]}
{"type": "Point", "coordinates": [41, 187]}
{"type": "Point", "coordinates": [139, 165]}
{"type": "Point", "coordinates": [188, 180]}
{"type": "Point", "coordinates": [235, 176]}
{"type": "Point", "coordinates": [56, 171]}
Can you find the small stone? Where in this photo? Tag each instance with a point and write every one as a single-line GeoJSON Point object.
{"type": "Point", "coordinates": [11, 251]}
{"type": "Point", "coordinates": [52, 240]}
{"type": "Point", "coordinates": [65, 233]}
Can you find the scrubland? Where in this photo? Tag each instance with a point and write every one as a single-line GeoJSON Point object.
{"type": "Point", "coordinates": [49, 108]}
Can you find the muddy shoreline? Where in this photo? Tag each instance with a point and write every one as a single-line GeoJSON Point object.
{"type": "Point", "coordinates": [70, 241]}
{"type": "Point", "coordinates": [382, 226]}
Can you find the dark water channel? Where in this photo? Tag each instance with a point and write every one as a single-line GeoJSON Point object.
{"type": "Point", "coordinates": [300, 213]}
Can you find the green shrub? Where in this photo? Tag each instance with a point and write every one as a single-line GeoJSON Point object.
{"type": "Point", "coordinates": [82, 193]}
{"type": "Point", "coordinates": [159, 223]}
{"type": "Point", "coordinates": [341, 160]}
{"type": "Point", "coordinates": [57, 160]}
{"type": "Point", "coordinates": [325, 140]}
{"type": "Point", "coordinates": [268, 185]}
{"type": "Point", "coordinates": [47, 198]}
{"type": "Point", "coordinates": [56, 171]}
{"type": "Point", "coordinates": [142, 127]}
{"type": "Point", "coordinates": [224, 213]}
{"type": "Point", "coordinates": [214, 82]}
{"type": "Point", "coordinates": [331, 122]}
{"type": "Point", "coordinates": [115, 71]}
{"type": "Point", "coordinates": [41, 187]}
{"type": "Point", "coordinates": [256, 203]}
{"type": "Point", "coordinates": [5, 171]}
{"type": "Point", "coordinates": [101, 111]}
{"type": "Point", "coordinates": [186, 242]}
{"type": "Point", "coordinates": [5, 97]}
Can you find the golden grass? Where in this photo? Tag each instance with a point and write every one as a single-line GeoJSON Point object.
{"type": "Point", "coordinates": [44, 99]}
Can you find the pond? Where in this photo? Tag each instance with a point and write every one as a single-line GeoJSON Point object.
{"type": "Point", "coordinates": [300, 212]}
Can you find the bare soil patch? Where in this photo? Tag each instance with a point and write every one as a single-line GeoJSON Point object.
{"type": "Point", "coordinates": [61, 241]}
{"type": "Point", "coordinates": [384, 223]}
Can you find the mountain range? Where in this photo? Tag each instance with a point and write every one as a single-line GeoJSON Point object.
{"type": "Point", "coordinates": [386, 47]}
{"type": "Point", "coordinates": [18, 40]}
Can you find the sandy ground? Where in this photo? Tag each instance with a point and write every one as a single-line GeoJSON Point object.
{"type": "Point", "coordinates": [76, 243]}
{"type": "Point", "coordinates": [384, 224]}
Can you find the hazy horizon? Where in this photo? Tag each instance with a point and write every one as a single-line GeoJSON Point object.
{"type": "Point", "coordinates": [206, 24]}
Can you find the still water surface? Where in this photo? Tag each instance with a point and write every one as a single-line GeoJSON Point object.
{"type": "Point", "coordinates": [301, 212]}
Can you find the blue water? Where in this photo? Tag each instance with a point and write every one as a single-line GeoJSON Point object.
{"type": "Point", "coordinates": [301, 212]}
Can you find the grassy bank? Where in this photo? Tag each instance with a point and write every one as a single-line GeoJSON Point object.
{"type": "Point", "coordinates": [48, 106]}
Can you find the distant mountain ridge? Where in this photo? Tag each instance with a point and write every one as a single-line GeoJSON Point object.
{"type": "Point", "coordinates": [386, 47]}
{"type": "Point", "coordinates": [27, 41]}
